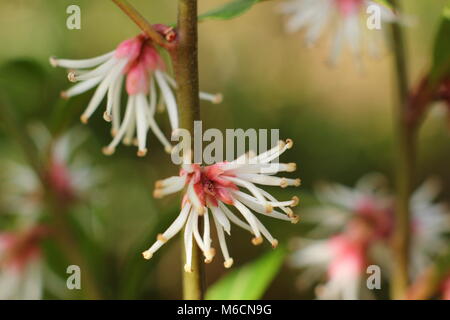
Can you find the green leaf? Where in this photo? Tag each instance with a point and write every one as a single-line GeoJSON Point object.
{"type": "Point", "coordinates": [441, 54]}
{"type": "Point", "coordinates": [25, 81]}
{"type": "Point", "coordinates": [229, 11]}
{"type": "Point", "coordinates": [250, 281]}
{"type": "Point", "coordinates": [385, 3]}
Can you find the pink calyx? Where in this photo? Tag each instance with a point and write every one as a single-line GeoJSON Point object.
{"type": "Point", "coordinates": [348, 257]}
{"type": "Point", "coordinates": [19, 249]}
{"type": "Point", "coordinates": [348, 7]}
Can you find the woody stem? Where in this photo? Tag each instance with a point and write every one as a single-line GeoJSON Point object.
{"type": "Point", "coordinates": [185, 61]}
{"type": "Point", "coordinates": [404, 171]}
{"type": "Point", "coordinates": [141, 22]}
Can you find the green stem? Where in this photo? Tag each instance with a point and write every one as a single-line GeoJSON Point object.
{"type": "Point", "coordinates": [185, 61]}
{"type": "Point", "coordinates": [404, 171]}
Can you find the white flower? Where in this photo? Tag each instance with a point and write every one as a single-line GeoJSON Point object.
{"type": "Point", "coordinates": [21, 276]}
{"type": "Point", "coordinates": [210, 190]}
{"type": "Point", "coordinates": [347, 19]}
{"type": "Point", "coordinates": [369, 199]}
{"type": "Point", "coordinates": [370, 202]}
{"type": "Point", "coordinates": [67, 173]}
{"type": "Point", "coordinates": [138, 61]}
{"type": "Point", "coordinates": [429, 221]}
{"type": "Point", "coordinates": [341, 258]}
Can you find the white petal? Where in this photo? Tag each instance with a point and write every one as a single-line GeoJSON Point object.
{"type": "Point", "coordinates": [81, 64]}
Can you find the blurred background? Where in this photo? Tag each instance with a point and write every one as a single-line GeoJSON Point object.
{"type": "Point", "coordinates": [339, 118]}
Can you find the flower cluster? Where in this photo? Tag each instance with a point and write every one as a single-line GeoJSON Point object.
{"type": "Point", "coordinates": [211, 190]}
{"type": "Point", "coordinates": [348, 19]}
{"type": "Point", "coordinates": [360, 223]}
{"type": "Point", "coordinates": [66, 173]}
{"type": "Point", "coordinates": [138, 63]}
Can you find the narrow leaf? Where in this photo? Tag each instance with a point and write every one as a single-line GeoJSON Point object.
{"type": "Point", "coordinates": [385, 3]}
{"type": "Point", "coordinates": [229, 11]}
{"type": "Point", "coordinates": [249, 282]}
{"type": "Point", "coordinates": [441, 54]}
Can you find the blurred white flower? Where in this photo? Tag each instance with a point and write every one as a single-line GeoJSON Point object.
{"type": "Point", "coordinates": [20, 264]}
{"type": "Point", "coordinates": [429, 221]}
{"type": "Point", "coordinates": [367, 211]}
{"type": "Point", "coordinates": [66, 171]}
{"type": "Point", "coordinates": [212, 188]}
{"type": "Point", "coordinates": [341, 258]}
{"type": "Point", "coordinates": [346, 18]}
{"type": "Point", "coordinates": [369, 200]}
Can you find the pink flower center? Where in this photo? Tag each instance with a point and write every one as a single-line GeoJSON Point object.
{"type": "Point", "coordinates": [143, 60]}
{"type": "Point", "coordinates": [348, 257]}
{"type": "Point", "coordinates": [210, 185]}
{"type": "Point", "coordinates": [379, 218]}
{"type": "Point", "coordinates": [59, 179]}
{"type": "Point", "coordinates": [348, 7]}
{"type": "Point", "coordinates": [17, 250]}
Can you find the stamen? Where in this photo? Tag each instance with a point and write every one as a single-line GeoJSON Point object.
{"type": "Point", "coordinates": [250, 187]}
{"type": "Point", "coordinates": [289, 143]}
{"type": "Point", "coordinates": [116, 105]}
{"type": "Point", "coordinates": [81, 87]}
{"type": "Point", "coordinates": [101, 70]}
{"type": "Point", "coordinates": [230, 215]}
{"type": "Point", "coordinates": [107, 117]}
{"type": "Point", "coordinates": [209, 255]}
{"type": "Point", "coordinates": [142, 127]}
{"type": "Point", "coordinates": [222, 242]}
{"type": "Point", "coordinates": [72, 76]}
{"type": "Point", "coordinates": [295, 219]}
{"type": "Point", "coordinates": [169, 99]}
{"type": "Point", "coordinates": [291, 167]}
{"type": "Point", "coordinates": [175, 180]}
{"type": "Point", "coordinates": [295, 201]}
{"type": "Point", "coordinates": [187, 268]}
{"type": "Point", "coordinates": [274, 200]}
{"type": "Point", "coordinates": [251, 219]}
{"type": "Point", "coordinates": [221, 218]}
{"type": "Point", "coordinates": [147, 255]}
{"type": "Point", "coordinates": [214, 98]}
{"type": "Point", "coordinates": [256, 206]}
{"type": "Point", "coordinates": [174, 228]}
{"type": "Point", "coordinates": [108, 151]}
{"type": "Point", "coordinates": [161, 238]}
{"type": "Point", "coordinates": [257, 241]}
{"type": "Point", "coordinates": [84, 119]}
{"type": "Point", "coordinates": [124, 126]}
{"type": "Point", "coordinates": [142, 153]}
{"type": "Point", "coordinates": [169, 185]}
{"type": "Point", "coordinates": [192, 195]}
{"type": "Point", "coordinates": [81, 64]}
{"type": "Point", "coordinates": [206, 231]}
{"type": "Point", "coordinates": [196, 234]}
{"type": "Point", "coordinates": [228, 263]}
{"type": "Point", "coordinates": [130, 128]}
{"type": "Point", "coordinates": [188, 233]}
{"type": "Point", "coordinates": [274, 243]}
{"type": "Point", "coordinates": [102, 88]}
